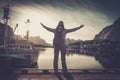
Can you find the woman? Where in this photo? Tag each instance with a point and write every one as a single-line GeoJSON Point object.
{"type": "Point", "coordinates": [59, 44]}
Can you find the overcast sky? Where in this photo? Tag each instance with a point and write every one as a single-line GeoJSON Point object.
{"type": "Point", "coordinates": [95, 14]}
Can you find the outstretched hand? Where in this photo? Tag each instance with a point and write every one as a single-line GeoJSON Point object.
{"type": "Point", "coordinates": [41, 23]}
{"type": "Point", "coordinates": [82, 25]}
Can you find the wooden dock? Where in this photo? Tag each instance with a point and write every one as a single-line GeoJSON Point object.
{"type": "Point", "coordinates": [74, 74]}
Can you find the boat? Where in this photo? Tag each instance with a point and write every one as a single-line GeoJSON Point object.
{"type": "Point", "coordinates": [19, 53]}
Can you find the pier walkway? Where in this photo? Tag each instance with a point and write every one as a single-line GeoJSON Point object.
{"type": "Point", "coordinates": [76, 74]}
{"type": "Point", "coordinates": [48, 74]}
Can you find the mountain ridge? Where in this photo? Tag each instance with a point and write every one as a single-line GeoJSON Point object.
{"type": "Point", "coordinates": [110, 32]}
{"type": "Point", "coordinates": [34, 39]}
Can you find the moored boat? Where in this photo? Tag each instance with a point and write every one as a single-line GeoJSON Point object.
{"type": "Point", "coordinates": [16, 54]}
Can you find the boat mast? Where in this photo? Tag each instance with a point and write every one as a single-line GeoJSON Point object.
{"type": "Point", "coordinates": [27, 33]}
{"type": "Point", "coordinates": [6, 19]}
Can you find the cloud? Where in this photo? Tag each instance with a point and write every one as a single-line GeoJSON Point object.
{"type": "Point", "coordinates": [51, 12]}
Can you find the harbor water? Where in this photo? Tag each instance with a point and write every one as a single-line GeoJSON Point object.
{"type": "Point", "coordinates": [73, 61]}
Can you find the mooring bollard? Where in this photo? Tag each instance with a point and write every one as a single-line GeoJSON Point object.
{"type": "Point", "coordinates": [45, 71]}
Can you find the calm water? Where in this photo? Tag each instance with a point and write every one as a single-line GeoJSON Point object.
{"type": "Point", "coordinates": [74, 61]}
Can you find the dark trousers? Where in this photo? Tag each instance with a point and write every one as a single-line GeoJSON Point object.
{"type": "Point", "coordinates": [63, 59]}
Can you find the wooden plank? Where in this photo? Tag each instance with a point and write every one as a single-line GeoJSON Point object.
{"type": "Point", "coordinates": [76, 74]}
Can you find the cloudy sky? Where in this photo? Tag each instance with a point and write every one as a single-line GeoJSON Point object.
{"type": "Point", "coordinates": [94, 14]}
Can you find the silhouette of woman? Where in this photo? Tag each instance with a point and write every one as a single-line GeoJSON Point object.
{"type": "Point", "coordinates": [59, 44]}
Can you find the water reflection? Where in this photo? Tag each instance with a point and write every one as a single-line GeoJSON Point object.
{"type": "Point", "coordinates": [74, 60]}
{"type": "Point", "coordinates": [108, 58]}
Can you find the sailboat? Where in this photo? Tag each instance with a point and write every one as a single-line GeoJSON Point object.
{"type": "Point", "coordinates": [15, 53]}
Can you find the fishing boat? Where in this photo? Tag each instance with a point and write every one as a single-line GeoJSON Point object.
{"type": "Point", "coordinates": [19, 53]}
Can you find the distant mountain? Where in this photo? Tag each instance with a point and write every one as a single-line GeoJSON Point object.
{"type": "Point", "coordinates": [68, 41]}
{"type": "Point", "coordinates": [34, 39]}
{"type": "Point", "coordinates": [38, 40]}
{"type": "Point", "coordinates": [111, 32]}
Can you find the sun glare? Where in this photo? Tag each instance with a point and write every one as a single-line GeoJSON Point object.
{"type": "Point", "coordinates": [33, 26]}
{"type": "Point", "coordinates": [51, 16]}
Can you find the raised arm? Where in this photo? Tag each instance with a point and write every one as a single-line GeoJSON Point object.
{"type": "Point", "coordinates": [74, 29]}
{"type": "Point", "coordinates": [47, 28]}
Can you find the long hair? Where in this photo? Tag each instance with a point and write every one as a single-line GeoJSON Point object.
{"type": "Point", "coordinates": [58, 34]}
{"type": "Point", "coordinates": [60, 24]}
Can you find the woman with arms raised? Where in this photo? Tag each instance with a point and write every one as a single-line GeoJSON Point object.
{"type": "Point", "coordinates": [59, 44]}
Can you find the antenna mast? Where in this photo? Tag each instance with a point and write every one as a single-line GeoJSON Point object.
{"type": "Point", "coordinates": [27, 33]}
